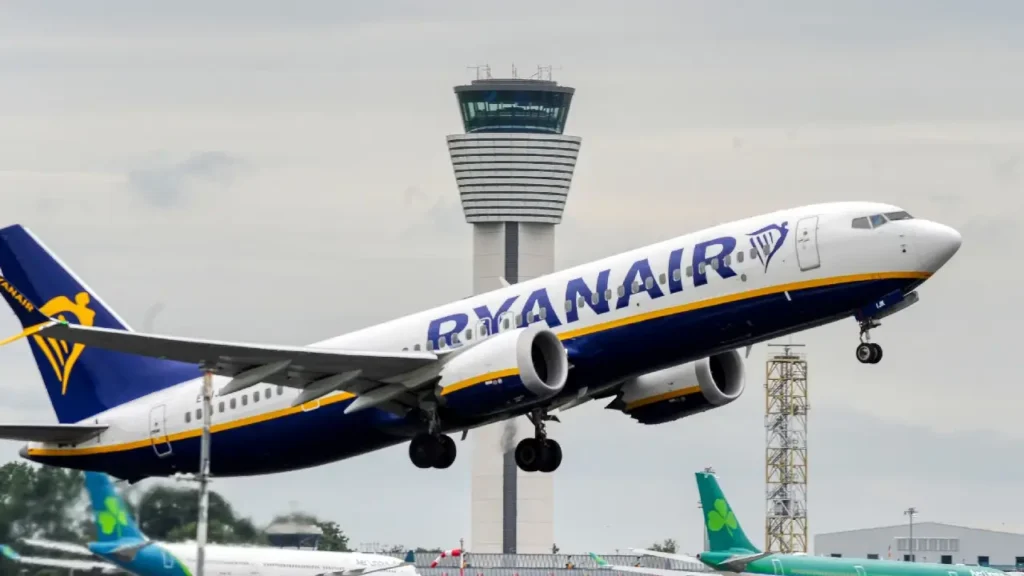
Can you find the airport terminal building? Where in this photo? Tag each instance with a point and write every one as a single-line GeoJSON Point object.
{"type": "Point", "coordinates": [933, 542]}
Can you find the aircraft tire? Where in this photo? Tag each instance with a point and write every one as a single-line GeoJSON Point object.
{"type": "Point", "coordinates": [446, 453]}
{"type": "Point", "coordinates": [528, 453]}
{"type": "Point", "coordinates": [550, 456]}
{"type": "Point", "coordinates": [424, 450]}
{"type": "Point", "coordinates": [877, 356]}
{"type": "Point", "coordinates": [865, 353]}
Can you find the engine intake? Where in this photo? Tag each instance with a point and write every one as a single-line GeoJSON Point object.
{"type": "Point", "coordinates": [683, 390]}
{"type": "Point", "coordinates": [508, 368]}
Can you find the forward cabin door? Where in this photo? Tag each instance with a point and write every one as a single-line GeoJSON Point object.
{"type": "Point", "coordinates": [807, 243]}
{"type": "Point", "coordinates": [158, 431]}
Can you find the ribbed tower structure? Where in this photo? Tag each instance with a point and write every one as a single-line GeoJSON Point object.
{"type": "Point", "coordinates": [513, 166]}
{"type": "Point", "coordinates": [785, 421]}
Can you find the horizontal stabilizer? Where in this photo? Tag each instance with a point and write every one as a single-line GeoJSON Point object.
{"type": "Point", "coordinates": [65, 547]}
{"type": "Point", "coordinates": [51, 433]}
{"type": "Point", "coordinates": [363, 571]}
{"type": "Point", "coordinates": [73, 565]}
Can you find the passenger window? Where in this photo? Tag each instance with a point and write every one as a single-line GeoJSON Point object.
{"type": "Point", "coordinates": [405, 349]}
{"type": "Point", "coordinates": [416, 348]}
{"type": "Point", "coordinates": [455, 339]}
{"type": "Point", "coordinates": [676, 275]}
{"type": "Point", "coordinates": [232, 403]}
{"type": "Point", "coordinates": [221, 407]}
{"type": "Point", "coordinates": [199, 414]}
{"type": "Point", "coordinates": [861, 223]}
{"type": "Point", "coordinates": [485, 329]}
{"type": "Point", "coordinates": [188, 417]}
{"type": "Point", "coordinates": [442, 342]}
{"type": "Point", "coordinates": [689, 271]}
{"type": "Point", "coordinates": [266, 394]}
{"type": "Point", "coordinates": [581, 302]}
{"type": "Point", "coordinates": [739, 257]}
{"type": "Point", "coordinates": [621, 291]}
{"type": "Point", "coordinates": [608, 294]}
{"type": "Point", "coordinates": [518, 320]}
{"type": "Point", "coordinates": [469, 333]}
{"type": "Point", "coordinates": [568, 305]}
{"type": "Point", "coordinates": [714, 264]}
{"type": "Point", "coordinates": [543, 313]}
{"type": "Point", "coordinates": [636, 287]}
{"type": "Point", "coordinates": [256, 397]}
{"type": "Point", "coordinates": [877, 220]}
{"type": "Point", "coordinates": [245, 400]}
{"type": "Point", "coordinates": [728, 259]}
{"type": "Point", "coordinates": [505, 323]}
{"type": "Point", "coordinates": [702, 268]}
{"type": "Point", "coordinates": [661, 278]}
{"type": "Point", "coordinates": [280, 390]}
{"type": "Point", "coordinates": [753, 253]}
{"type": "Point", "coordinates": [901, 215]}
{"type": "Point", "coordinates": [649, 283]}
{"type": "Point", "coordinates": [595, 298]}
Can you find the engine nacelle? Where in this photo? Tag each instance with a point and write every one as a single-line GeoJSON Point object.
{"type": "Point", "coordinates": [683, 390]}
{"type": "Point", "coordinates": [506, 369]}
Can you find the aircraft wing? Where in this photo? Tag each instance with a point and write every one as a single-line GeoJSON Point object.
{"type": "Point", "coordinates": [87, 565]}
{"type": "Point", "coordinates": [65, 547]}
{"type": "Point", "coordinates": [601, 563]}
{"type": "Point", "coordinates": [666, 555]}
{"type": "Point", "coordinates": [380, 379]}
{"type": "Point", "coordinates": [364, 571]}
{"type": "Point", "coordinates": [51, 433]}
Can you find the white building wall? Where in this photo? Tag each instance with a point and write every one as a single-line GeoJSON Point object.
{"type": "Point", "coordinates": [934, 543]}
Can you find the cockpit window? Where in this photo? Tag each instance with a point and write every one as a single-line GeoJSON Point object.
{"type": "Point", "coordinates": [877, 220]}
{"type": "Point", "coordinates": [861, 223]}
{"type": "Point", "coordinates": [901, 215]}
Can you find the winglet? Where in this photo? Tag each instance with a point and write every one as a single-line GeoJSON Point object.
{"type": "Point", "coordinates": [9, 553]}
{"type": "Point", "coordinates": [601, 562]}
{"type": "Point", "coordinates": [32, 316]}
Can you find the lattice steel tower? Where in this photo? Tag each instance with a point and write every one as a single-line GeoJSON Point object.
{"type": "Point", "coordinates": [785, 423]}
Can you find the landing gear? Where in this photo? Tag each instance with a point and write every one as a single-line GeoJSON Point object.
{"type": "Point", "coordinates": [540, 453]}
{"type": "Point", "coordinates": [432, 451]}
{"type": "Point", "coordinates": [868, 352]}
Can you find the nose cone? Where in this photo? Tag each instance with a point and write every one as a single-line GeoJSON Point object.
{"type": "Point", "coordinates": [937, 243]}
{"type": "Point", "coordinates": [23, 452]}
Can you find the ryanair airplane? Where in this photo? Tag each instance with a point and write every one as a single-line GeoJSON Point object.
{"type": "Point", "coordinates": [656, 329]}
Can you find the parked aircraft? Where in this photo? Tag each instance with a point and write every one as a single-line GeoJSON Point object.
{"type": "Point", "coordinates": [731, 551]}
{"type": "Point", "coordinates": [121, 545]}
{"type": "Point", "coordinates": [657, 329]}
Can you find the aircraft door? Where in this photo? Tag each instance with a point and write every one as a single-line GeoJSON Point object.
{"type": "Point", "coordinates": [860, 571]}
{"type": "Point", "coordinates": [158, 431]}
{"type": "Point", "coordinates": [807, 243]}
{"type": "Point", "coordinates": [168, 559]}
{"type": "Point", "coordinates": [777, 567]}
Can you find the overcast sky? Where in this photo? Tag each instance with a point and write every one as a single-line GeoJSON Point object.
{"type": "Point", "coordinates": [277, 172]}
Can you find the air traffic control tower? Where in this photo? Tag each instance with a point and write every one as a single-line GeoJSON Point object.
{"type": "Point", "coordinates": [513, 166]}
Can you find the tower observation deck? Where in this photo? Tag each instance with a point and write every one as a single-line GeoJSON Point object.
{"type": "Point", "coordinates": [513, 166]}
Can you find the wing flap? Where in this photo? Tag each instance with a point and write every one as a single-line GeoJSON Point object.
{"type": "Point", "coordinates": [51, 433]}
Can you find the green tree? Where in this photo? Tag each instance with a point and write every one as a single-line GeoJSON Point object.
{"type": "Point", "coordinates": [41, 502]}
{"type": "Point", "coordinates": [170, 513]}
{"type": "Point", "coordinates": [668, 545]}
{"type": "Point", "coordinates": [333, 539]}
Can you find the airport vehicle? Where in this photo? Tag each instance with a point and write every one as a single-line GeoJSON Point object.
{"type": "Point", "coordinates": [657, 329]}
{"type": "Point", "coordinates": [731, 551]}
{"type": "Point", "coordinates": [121, 545]}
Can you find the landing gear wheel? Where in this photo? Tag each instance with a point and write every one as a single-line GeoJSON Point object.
{"type": "Point", "coordinates": [424, 450]}
{"type": "Point", "coordinates": [447, 452]}
{"type": "Point", "coordinates": [869, 353]}
{"type": "Point", "coordinates": [528, 454]}
{"type": "Point", "coordinates": [550, 456]}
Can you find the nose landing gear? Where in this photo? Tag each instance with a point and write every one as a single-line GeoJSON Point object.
{"type": "Point", "coordinates": [540, 453]}
{"type": "Point", "coordinates": [868, 352]}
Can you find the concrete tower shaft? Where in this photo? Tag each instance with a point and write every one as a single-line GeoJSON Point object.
{"type": "Point", "coordinates": [513, 166]}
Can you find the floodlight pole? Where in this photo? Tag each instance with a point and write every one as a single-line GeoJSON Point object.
{"type": "Point", "coordinates": [204, 473]}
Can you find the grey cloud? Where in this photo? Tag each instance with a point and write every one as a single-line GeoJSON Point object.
{"type": "Point", "coordinates": [170, 184]}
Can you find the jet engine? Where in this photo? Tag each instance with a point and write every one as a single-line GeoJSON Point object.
{"type": "Point", "coordinates": [507, 369]}
{"type": "Point", "coordinates": [682, 390]}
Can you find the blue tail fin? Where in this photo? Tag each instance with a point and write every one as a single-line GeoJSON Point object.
{"type": "Point", "coordinates": [113, 522]}
{"type": "Point", "coordinates": [81, 382]}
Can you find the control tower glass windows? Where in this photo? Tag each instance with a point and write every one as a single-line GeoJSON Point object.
{"type": "Point", "coordinates": [535, 111]}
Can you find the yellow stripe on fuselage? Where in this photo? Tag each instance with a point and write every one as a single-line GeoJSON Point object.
{"type": "Point", "coordinates": [567, 335]}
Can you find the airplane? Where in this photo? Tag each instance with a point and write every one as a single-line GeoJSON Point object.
{"type": "Point", "coordinates": [657, 329]}
{"type": "Point", "coordinates": [731, 551]}
{"type": "Point", "coordinates": [604, 564]}
{"type": "Point", "coordinates": [121, 546]}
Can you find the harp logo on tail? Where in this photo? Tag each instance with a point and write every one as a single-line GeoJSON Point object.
{"type": "Point", "coordinates": [61, 355]}
{"type": "Point", "coordinates": [767, 241]}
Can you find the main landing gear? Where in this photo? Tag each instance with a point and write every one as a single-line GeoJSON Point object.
{"type": "Point", "coordinates": [540, 453]}
{"type": "Point", "coordinates": [867, 351]}
{"type": "Point", "coordinates": [433, 449]}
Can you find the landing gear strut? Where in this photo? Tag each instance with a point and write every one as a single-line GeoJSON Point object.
{"type": "Point", "coordinates": [540, 453]}
{"type": "Point", "coordinates": [867, 351]}
{"type": "Point", "coordinates": [432, 449]}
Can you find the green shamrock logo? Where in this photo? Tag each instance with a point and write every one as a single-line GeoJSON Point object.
{"type": "Point", "coordinates": [721, 517]}
{"type": "Point", "coordinates": [113, 517]}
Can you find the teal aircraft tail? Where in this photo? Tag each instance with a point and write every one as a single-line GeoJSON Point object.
{"type": "Point", "coordinates": [113, 523]}
{"type": "Point", "coordinates": [724, 531]}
